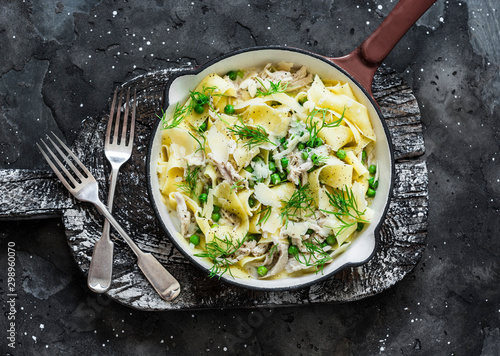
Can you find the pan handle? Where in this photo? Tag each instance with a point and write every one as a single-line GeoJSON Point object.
{"type": "Point", "coordinates": [365, 60]}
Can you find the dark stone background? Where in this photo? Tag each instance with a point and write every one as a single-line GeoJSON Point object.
{"type": "Point", "coordinates": [60, 61]}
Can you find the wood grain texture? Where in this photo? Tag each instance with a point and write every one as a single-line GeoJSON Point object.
{"type": "Point", "coordinates": [402, 240]}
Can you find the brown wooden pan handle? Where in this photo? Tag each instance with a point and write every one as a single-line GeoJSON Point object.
{"type": "Point", "coordinates": [364, 60]}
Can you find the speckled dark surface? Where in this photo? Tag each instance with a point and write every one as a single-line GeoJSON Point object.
{"type": "Point", "coordinates": [60, 62]}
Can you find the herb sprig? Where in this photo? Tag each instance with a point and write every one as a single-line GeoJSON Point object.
{"type": "Point", "coordinates": [312, 125]}
{"type": "Point", "coordinates": [236, 185]}
{"type": "Point", "coordinates": [218, 251]}
{"type": "Point", "coordinates": [190, 180]}
{"type": "Point", "coordinates": [202, 145]}
{"type": "Point", "coordinates": [254, 136]}
{"type": "Point", "coordinates": [300, 203]}
{"type": "Point", "coordinates": [315, 255]}
{"type": "Point", "coordinates": [267, 213]}
{"type": "Point", "coordinates": [274, 88]}
{"type": "Point", "coordinates": [182, 111]}
{"type": "Point", "coordinates": [346, 205]}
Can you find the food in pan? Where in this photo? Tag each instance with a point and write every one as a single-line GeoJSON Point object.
{"type": "Point", "coordinates": [269, 171]}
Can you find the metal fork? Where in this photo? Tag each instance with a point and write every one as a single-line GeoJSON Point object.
{"type": "Point", "coordinates": [80, 182]}
{"type": "Point", "coordinates": [117, 150]}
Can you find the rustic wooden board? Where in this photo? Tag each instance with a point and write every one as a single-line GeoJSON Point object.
{"type": "Point", "coordinates": [29, 194]}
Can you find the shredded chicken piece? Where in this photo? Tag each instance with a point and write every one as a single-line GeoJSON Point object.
{"type": "Point", "coordinates": [226, 170]}
{"type": "Point", "coordinates": [295, 81]}
{"type": "Point", "coordinates": [299, 242]}
{"type": "Point", "coordinates": [282, 252]}
{"type": "Point", "coordinates": [183, 213]}
{"type": "Point", "coordinates": [277, 259]}
{"type": "Point", "coordinates": [298, 168]}
{"type": "Point", "coordinates": [246, 248]}
{"type": "Point", "coordinates": [321, 228]}
{"type": "Point", "coordinates": [293, 265]}
{"type": "Point", "coordinates": [299, 172]}
{"type": "Point", "coordinates": [260, 249]}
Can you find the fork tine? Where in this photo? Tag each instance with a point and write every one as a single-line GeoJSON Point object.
{"type": "Point", "coordinates": [132, 121]}
{"type": "Point", "coordinates": [55, 169]}
{"type": "Point", "coordinates": [66, 159]}
{"type": "Point", "coordinates": [125, 119]}
{"type": "Point", "coordinates": [117, 121]}
{"type": "Point", "coordinates": [83, 168]}
{"type": "Point", "coordinates": [111, 117]}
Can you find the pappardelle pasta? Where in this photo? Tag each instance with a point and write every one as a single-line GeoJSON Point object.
{"type": "Point", "coordinates": [269, 171]}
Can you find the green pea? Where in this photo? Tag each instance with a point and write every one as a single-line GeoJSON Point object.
{"type": "Point", "coordinates": [240, 73]}
{"type": "Point", "coordinates": [282, 140]}
{"type": "Point", "coordinates": [216, 217]}
{"type": "Point", "coordinates": [200, 98]}
{"type": "Point", "coordinates": [251, 202]}
{"type": "Point", "coordinates": [372, 169]}
{"type": "Point", "coordinates": [301, 146]}
{"type": "Point", "coordinates": [203, 127]}
{"type": "Point", "coordinates": [262, 270]}
{"type": "Point", "coordinates": [249, 169]}
{"type": "Point", "coordinates": [272, 166]}
{"type": "Point", "coordinates": [285, 145]}
{"type": "Point", "coordinates": [316, 159]}
{"type": "Point", "coordinates": [232, 74]}
{"type": "Point", "coordinates": [364, 156]}
{"type": "Point", "coordinates": [370, 192]}
{"type": "Point", "coordinates": [282, 175]}
{"type": "Point", "coordinates": [203, 197]}
{"type": "Point", "coordinates": [284, 162]}
{"type": "Point", "coordinates": [360, 226]}
{"type": "Point", "coordinates": [341, 154]}
{"type": "Point", "coordinates": [216, 209]}
{"type": "Point", "coordinates": [324, 244]}
{"type": "Point", "coordinates": [257, 159]}
{"type": "Point", "coordinates": [373, 184]}
{"type": "Point", "coordinates": [195, 240]}
{"type": "Point", "coordinates": [229, 109]}
{"type": "Point", "coordinates": [331, 239]}
{"type": "Point", "coordinates": [309, 231]}
{"type": "Point", "coordinates": [318, 142]}
{"type": "Point", "coordinates": [199, 109]}
{"type": "Point", "coordinates": [305, 155]}
{"type": "Point", "coordinates": [293, 250]}
{"type": "Point", "coordinates": [275, 179]}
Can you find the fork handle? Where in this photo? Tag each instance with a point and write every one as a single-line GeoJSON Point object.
{"type": "Point", "coordinates": [162, 281]}
{"type": "Point", "coordinates": [101, 265]}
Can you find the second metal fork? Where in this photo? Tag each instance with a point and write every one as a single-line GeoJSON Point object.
{"type": "Point", "coordinates": [118, 149]}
